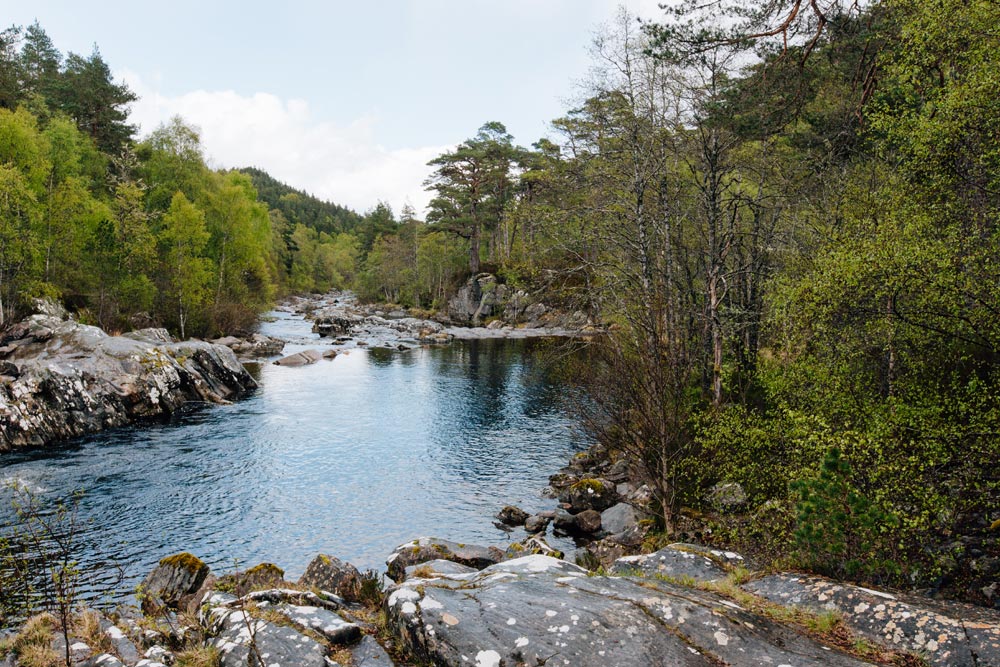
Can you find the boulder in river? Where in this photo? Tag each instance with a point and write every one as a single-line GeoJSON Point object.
{"type": "Point", "coordinates": [537, 523]}
{"type": "Point", "coordinates": [303, 358]}
{"type": "Point", "coordinates": [512, 516]}
{"type": "Point", "coordinates": [255, 346]}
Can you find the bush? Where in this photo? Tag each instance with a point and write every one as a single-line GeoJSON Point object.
{"type": "Point", "coordinates": [839, 532]}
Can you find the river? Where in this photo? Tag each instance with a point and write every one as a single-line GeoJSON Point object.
{"type": "Point", "coordinates": [349, 457]}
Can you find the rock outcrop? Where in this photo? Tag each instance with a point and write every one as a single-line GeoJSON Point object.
{"type": "Point", "coordinates": [947, 634]}
{"type": "Point", "coordinates": [329, 573]}
{"type": "Point", "coordinates": [62, 379]}
{"type": "Point", "coordinates": [480, 297]}
{"type": "Point", "coordinates": [539, 610]}
{"type": "Point", "coordinates": [426, 549]}
{"type": "Point", "coordinates": [255, 346]}
{"type": "Point", "coordinates": [678, 606]}
{"type": "Point", "coordinates": [175, 578]}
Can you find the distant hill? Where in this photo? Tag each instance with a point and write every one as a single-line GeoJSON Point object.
{"type": "Point", "coordinates": [301, 207]}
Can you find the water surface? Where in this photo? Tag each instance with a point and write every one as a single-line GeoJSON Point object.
{"type": "Point", "coordinates": [349, 457]}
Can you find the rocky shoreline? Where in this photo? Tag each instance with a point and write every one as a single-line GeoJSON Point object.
{"type": "Point", "coordinates": [344, 323]}
{"type": "Point", "coordinates": [61, 379]}
{"type": "Point", "coordinates": [460, 605]}
{"type": "Point", "coordinates": [441, 602]}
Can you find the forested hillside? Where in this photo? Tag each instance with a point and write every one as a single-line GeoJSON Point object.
{"type": "Point", "coordinates": [133, 232]}
{"type": "Point", "coordinates": [788, 215]}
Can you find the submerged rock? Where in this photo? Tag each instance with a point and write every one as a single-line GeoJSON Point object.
{"type": "Point", "coordinates": [303, 358]}
{"type": "Point", "coordinates": [73, 379]}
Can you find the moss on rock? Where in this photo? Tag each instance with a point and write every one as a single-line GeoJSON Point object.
{"type": "Point", "coordinates": [185, 561]}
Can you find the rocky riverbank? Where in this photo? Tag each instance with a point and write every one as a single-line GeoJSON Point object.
{"type": "Point", "coordinates": [342, 323]}
{"type": "Point", "coordinates": [61, 379]}
{"type": "Point", "coordinates": [459, 605]}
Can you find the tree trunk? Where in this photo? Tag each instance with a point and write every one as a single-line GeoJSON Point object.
{"type": "Point", "coordinates": [716, 327]}
{"type": "Point", "coordinates": [474, 250]}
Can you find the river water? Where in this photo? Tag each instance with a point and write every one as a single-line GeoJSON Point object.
{"type": "Point", "coordinates": [349, 457]}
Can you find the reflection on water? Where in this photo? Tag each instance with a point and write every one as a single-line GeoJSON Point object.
{"type": "Point", "coordinates": [349, 457]}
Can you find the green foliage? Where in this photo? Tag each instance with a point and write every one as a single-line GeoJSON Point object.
{"type": "Point", "coordinates": [301, 207]}
{"type": "Point", "coordinates": [371, 591]}
{"type": "Point", "coordinates": [473, 186]}
{"type": "Point", "coordinates": [839, 531]}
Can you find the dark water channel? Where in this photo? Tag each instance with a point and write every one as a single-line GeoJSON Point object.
{"type": "Point", "coordinates": [349, 457]}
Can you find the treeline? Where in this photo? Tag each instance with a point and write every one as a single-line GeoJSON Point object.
{"type": "Point", "coordinates": [136, 233]}
{"type": "Point", "coordinates": [791, 226]}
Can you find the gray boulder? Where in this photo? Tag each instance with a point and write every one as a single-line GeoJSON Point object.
{"type": "Point", "coordinates": [945, 633]}
{"type": "Point", "coordinates": [334, 325]}
{"type": "Point", "coordinates": [279, 626]}
{"type": "Point", "coordinates": [588, 522]}
{"type": "Point", "coordinates": [512, 516]}
{"type": "Point", "coordinates": [619, 518]}
{"type": "Point", "coordinates": [303, 358]}
{"type": "Point", "coordinates": [75, 379]}
{"type": "Point", "coordinates": [564, 522]}
{"type": "Point", "coordinates": [369, 653]}
{"type": "Point", "coordinates": [244, 640]}
{"type": "Point", "coordinates": [533, 544]}
{"type": "Point", "coordinates": [430, 548]}
{"type": "Point", "coordinates": [534, 312]}
{"type": "Point", "coordinates": [589, 494]}
{"type": "Point", "coordinates": [540, 610]}
{"type": "Point", "coordinates": [256, 346]}
{"type": "Point", "coordinates": [537, 523]}
{"type": "Point", "coordinates": [172, 580]}
{"type": "Point", "coordinates": [480, 297]}
{"type": "Point", "coordinates": [121, 644]}
{"type": "Point", "coordinates": [328, 573]}
{"type": "Point", "coordinates": [435, 568]}
{"type": "Point", "coordinates": [150, 335]}
{"type": "Point", "coordinates": [727, 496]}
{"type": "Point", "coordinates": [673, 562]}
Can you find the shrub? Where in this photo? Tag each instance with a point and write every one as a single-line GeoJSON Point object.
{"type": "Point", "coordinates": [838, 530]}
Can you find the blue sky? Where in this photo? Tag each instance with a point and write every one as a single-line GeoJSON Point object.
{"type": "Point", "coordinates": [347, 100]}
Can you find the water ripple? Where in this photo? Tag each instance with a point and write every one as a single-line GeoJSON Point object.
{"type": "Point", "coordinates": [349, 457]}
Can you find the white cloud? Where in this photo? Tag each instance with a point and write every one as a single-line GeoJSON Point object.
{"type": "Point", "coordinates": [340, 163]}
